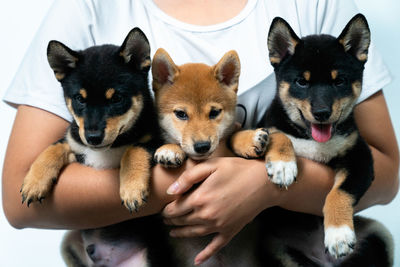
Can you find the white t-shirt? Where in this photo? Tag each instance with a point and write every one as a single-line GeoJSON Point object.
{"type": "Point", "coordinates": [83, 23]}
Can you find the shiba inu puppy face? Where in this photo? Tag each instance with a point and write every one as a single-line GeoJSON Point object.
{"type": "Point", "coordinates": [319, 76]}
{"type": "Point", "coordinates": [196, 103]}
{"type": "Point", "coordinates": [103, 86]}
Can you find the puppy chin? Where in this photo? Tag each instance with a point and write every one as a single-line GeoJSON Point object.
{"type": "Point", "coordinates": [199, 156]}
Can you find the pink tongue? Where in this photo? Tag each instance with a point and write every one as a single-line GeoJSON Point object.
{"type": "Point", "coordinates": [321, 132]}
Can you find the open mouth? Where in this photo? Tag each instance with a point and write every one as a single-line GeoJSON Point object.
{"type": "Point", "coordinates": [321, 132]}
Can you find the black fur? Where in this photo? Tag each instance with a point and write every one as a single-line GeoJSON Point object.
{"type": "Point", "coordinates": [97, 69]}
{"type": "Point", "coordinates": [299, 235]}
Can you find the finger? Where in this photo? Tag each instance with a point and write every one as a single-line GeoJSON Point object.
{"type": "Point", "coordinates": [177, 208]}
{"type": "Point", "coordinates": [191, 231]}
{"type": "Point", "coordinates": [218, 242]}
{"type": "Point", "coordinates": [190, 177]}
{"type": "Point", "coordinates": [188, 219]}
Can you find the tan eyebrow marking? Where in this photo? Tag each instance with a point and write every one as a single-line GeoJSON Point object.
{"type": "Point", "coordinates": [83, 93]}
{"type": "Point", "coordinates": [307, 75]}
{"type": "Point", "coordinates": [334, 74]}
{"type": "Point", "coordinates": [109, 93]}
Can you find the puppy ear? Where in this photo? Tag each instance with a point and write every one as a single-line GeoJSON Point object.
{"type": "Point", "coordinates": [163, 69]}
{"type": "Point", "coordinates": [61, 59]}
{"type": "Point", "coordinates": [135, 50]}
{"type": "Point", "coordinates": [356, 37]}
{"type": "Point", "coordinates": [227, 70]}
{"type": "Point", "coordinates": [282, 41]}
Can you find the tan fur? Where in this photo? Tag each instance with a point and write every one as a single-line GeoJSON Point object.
{"type": "Point", "coordinates": [307, 75]}
{"type": "Point", "coordinates": [356, 86]}
{"type": "Point", "coordinates": [44, 171]}
{"type": "Point", "coordinates": [196, 89]}
{"type": "Point", "coordinates": [342, 107]}
{"type": "Point", "coordinates": [109, 93]}
{"type": "Point", "coordinates": [83, 93]}
{"type": "Point", "coordinates": [145, 64]}
{"type": "Point", "coordinates": [334, 74]}
{"type": "Point", "coordinates": [338, 209]}
{"type": "Point", "coordinates": [146, 138]}
{"type": "Point", "coordinates": [135, 177]}
{"type": "Point", "coordinates": [280, 148]}
{"type": "Point", "coordinates": [275, 60]}
{"type": "Point", "coordinates": [79, 120]}
{"type": "Point", "coordinates": [117, 125]}
{"type": "Point", "coordinates": [59, 75]}
{"type": "Point", "coordinates": [247, 144]}
{"type": "Point", "coordinates": [293, 104]}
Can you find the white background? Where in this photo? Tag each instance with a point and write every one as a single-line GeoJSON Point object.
{"type": "Point", "coordinates": [19, 20]}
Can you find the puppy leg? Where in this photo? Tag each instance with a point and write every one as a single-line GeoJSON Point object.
{"type": "Point", "coordinates": [44, 172]}
{"type": "Point", "coordinates": [250, 143]}
{"type": "Point", "coordinates": [280, 160]}
{"type": "Point", "coordinates": [170, 155]}
{"type": "Point", "coordinates": [134, 177]}
{"type": "Point", "coordinates": [338, 219]}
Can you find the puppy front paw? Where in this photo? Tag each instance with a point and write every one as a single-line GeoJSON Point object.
{"type": "Point", "coordinates": [170, 156]}
{"type": "Point", "coordinates": [135, 196]}
{"type": "Point", "coordinates": [38, 184]}
{"type": "Point", "coordinates": [282, 173]}
{"type": "Point", "coordinates": [250, 143]}
{"type": "Point", "coordinates": [339, 241]}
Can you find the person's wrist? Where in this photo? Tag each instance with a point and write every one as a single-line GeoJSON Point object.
{"type": "Point", "coordinates": [270, 194]}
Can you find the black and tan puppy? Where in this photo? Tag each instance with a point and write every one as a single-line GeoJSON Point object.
{"type": "Point", "coordinates": [114, 125]}
{"type": "Point", "coordinates": [114, 122]}
{"type": "Point", "coordinates": [319, 80]}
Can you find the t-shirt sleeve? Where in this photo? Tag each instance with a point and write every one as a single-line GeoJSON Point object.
{"type": "Point", "coordinates": [332, 17]}
{"type": "Point", "coordinates": [34, 83]}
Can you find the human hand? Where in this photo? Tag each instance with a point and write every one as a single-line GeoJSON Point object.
{"type": "Point", "coordinates": [233, 191]}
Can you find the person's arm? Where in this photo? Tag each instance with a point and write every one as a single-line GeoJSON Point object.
{"type": "Point", "coordinates": [82, 198]}
{"type": "Point", "coordinates": [235, 190]}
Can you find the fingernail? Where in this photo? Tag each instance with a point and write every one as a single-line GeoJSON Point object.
{"type": "Point", "coordinates": [197, 262]}
{"type": "Point", "coordinates": [173, 189]}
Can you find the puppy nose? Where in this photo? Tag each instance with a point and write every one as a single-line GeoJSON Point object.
{"type": "Point", "coordinates": [202, 147]}
{"type": "Point", "coordinates": [94, 137]}
{"type": "Point", "coordinates": [321, 114]}
{"type": "Point", "coordinates": [91, 251]}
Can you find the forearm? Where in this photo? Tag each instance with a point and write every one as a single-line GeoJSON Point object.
{"type": "Point", "coordinates": [316, 180]}
{"type": "Point", "coordinates": [83, 198]}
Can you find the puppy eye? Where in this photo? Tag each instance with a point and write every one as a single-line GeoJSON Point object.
{"type": "Point", "coordinates": [339, 81]}
{"type": "Point", "coordinates": [180, 114]}
{"type": "Point", "coordinates": [80, 99]}
{"type": "Point", "coordinates": [116, 98]}
{"type": "Point", "coordinates": [301, 82]}
{"type": "Point", "coordinates": [214, 113]}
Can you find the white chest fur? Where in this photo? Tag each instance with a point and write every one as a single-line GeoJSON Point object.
{"type": "Point", "coordinates": [323, 152]}
{"type": "Point", "coordinates": [106, 158]}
